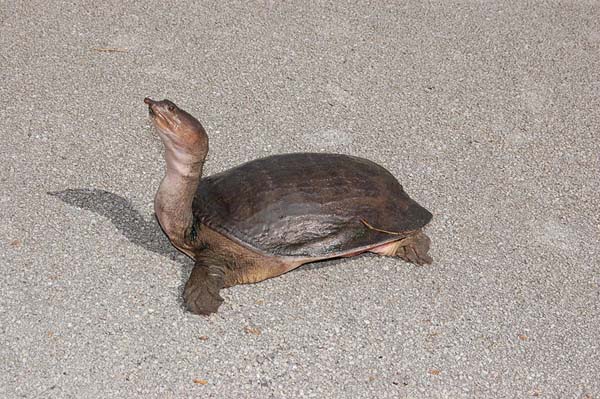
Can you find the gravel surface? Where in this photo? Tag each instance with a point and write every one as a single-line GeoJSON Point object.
{"type": "Point", "coordinates": [488, 112]}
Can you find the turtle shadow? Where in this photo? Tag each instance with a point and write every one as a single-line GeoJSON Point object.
{"type": "Point", "coordinates": [138, 230]}
{"type": "Point", "coordinates": [320, 264]}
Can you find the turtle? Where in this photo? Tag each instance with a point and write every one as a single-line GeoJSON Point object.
{"type": "Point", "coordinates": [268, 216]}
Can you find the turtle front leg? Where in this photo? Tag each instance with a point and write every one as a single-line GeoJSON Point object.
{"type": "Point", "coordinates": [201, 292]}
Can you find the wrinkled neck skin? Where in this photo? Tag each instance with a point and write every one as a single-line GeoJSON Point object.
{"type": "Point", "coordinates": [173, 201]}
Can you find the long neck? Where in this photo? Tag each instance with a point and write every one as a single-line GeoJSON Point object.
{"type": "Point", "coordinates": [173, 201]}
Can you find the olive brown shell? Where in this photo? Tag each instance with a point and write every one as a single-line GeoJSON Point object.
{"type": "Point", "coordinates": [308, 205]}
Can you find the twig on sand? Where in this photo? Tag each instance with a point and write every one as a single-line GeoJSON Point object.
{"type": "Point", "coordinates": [111, 50]}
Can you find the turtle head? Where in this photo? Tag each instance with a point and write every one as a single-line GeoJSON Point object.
{"type": "Point", "coordinates": [179, 131]}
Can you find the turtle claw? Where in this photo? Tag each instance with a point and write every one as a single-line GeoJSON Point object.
{"type": "Point", "coordinates": [201, 292]}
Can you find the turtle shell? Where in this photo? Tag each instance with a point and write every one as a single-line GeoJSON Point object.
{"type": "Point", "coordinates": [308, 205]}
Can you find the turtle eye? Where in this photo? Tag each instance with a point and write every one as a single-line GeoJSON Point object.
{"type": "Point", "coordinates": [171, 107]}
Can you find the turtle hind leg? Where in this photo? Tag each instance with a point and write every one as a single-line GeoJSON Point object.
{"type": "Point", "coordinates": [201, 292]}
{"type": "Point", "coordinates": [412, 248]}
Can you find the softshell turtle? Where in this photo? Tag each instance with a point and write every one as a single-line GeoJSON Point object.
{"type": "Point", "coordinates": [271, 215]}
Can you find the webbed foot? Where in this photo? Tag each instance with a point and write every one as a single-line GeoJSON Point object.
{"type": "Point", "coordinates": [414, 249]}
{"type": "Point", "coordinates": [201, 292]}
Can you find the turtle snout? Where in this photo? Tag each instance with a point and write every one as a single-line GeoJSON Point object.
{"type": "Point", "coordinates": [150, 103]}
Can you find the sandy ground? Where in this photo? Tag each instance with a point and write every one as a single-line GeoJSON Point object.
{"type": "Point", "coordinates": [488, 112]}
